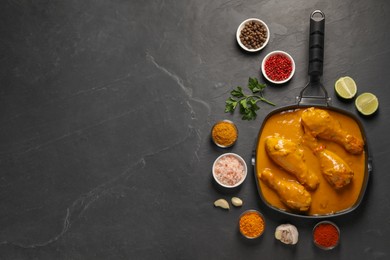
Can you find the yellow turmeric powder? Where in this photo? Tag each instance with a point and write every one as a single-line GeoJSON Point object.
{"type": "Point", "coordinates": [251, 224]}
{"type": "Point", "coordinates": [224, 133]}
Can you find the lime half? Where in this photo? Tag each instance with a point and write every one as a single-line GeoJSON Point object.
{"type": "Point", "coordinates": [367, 103]}
{"type": "Point", "coordinates": [345, 87]}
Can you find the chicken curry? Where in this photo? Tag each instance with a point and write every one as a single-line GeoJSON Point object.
{"type": "Point", "coordinates": [311, 161]}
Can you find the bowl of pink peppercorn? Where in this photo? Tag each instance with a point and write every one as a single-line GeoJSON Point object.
{"type": "Point", "coordinates": [278, 67]}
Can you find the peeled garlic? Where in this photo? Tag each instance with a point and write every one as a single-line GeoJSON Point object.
{"type": "Point", "coordinates": [221, 203]}
{"type": "Point", "coordinates": [236, 202]}
{"type": "Point", "coordinates": [287, 234]}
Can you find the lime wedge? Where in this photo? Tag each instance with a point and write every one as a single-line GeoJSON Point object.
{"type": "Point", "coordinates": [345, 87]}
{"type": "Point", "coordinates": [367, 103]}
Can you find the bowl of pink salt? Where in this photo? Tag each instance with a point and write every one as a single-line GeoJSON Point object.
{"type": "Point", "coordinates": [229, 170]}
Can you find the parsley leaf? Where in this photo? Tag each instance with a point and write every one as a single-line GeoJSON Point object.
{"type": "Point", "coordinates": [237, 92]}
{"type": "Point", "coordinates": [231, 104]}
{"type": "Point", "coordinates": [255, 86]}
{"type": "Point", "coordinates": [247, 103]}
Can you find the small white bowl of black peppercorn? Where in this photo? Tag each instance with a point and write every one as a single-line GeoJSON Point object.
{"type": "Point", "coordinates": [253, 34]}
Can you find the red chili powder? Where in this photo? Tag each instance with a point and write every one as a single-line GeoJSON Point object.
{"type": "Point", "coordinates": [326, 235]}
{"type": "Point", "coordinates": [278, 67]}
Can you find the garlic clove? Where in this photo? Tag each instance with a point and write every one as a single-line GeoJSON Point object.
{"type": "Point", "coordinates": [237, 201]}
{"type": "Point", "coordinates": [287, 234]}
{"type": "Point", "coordinates": [222, 203]}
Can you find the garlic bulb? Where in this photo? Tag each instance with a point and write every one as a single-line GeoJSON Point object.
{"type": "Point", "coordinates": [287, 234]}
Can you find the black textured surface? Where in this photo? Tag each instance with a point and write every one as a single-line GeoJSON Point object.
{"type": "Point", "coordinates": [106, 109]}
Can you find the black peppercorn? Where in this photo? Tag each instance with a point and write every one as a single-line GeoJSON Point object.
{"type": "Point", "coordinates": [253, 35]}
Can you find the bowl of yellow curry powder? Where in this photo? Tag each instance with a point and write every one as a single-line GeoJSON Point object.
{"type": "Point", "coordinates": [251, 224]}
{"type": "Point", "coordinates": [224, 133]}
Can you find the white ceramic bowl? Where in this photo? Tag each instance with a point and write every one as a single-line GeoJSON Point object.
{"type": "Point", "coordinates": [284, 54]}
{"type": "Point", "coordinates": [224, 182]}
{"type": "Point", "coordinates": [242, 27]}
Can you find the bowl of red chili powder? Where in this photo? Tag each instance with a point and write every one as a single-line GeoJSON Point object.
{"type": "Point", "coordinates": [278, 67]}
{"type": "Point", "coordinates": [326, 235]}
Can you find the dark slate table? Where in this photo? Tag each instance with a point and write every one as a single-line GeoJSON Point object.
{"type": "Point", "coordinates": [106, 109]}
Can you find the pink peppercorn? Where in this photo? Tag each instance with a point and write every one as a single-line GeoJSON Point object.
{"type": "Point", "coordinates": [278, 67]}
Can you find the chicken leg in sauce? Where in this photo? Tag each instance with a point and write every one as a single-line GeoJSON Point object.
{"type": "Point", "coordinates": [335, 170]}
{"type": "Point", "coordinates": [289, 155]}
{"type": "Point", "coordinates": [320, 123]}
{"type": "Point", "coordinates": [291, 193]}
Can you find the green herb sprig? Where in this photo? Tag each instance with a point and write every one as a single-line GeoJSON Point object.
{"type": "Point", "coordinates": [247, 103]}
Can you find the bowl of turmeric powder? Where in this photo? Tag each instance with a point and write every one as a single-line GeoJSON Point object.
{"type": "Point", "coordinates": [224, 133]}
{"type": "Point", "coordinates": [251, 224]}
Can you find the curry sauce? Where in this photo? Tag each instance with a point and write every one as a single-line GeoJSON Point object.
{"type": "Point", "coordinates": [325, 199]}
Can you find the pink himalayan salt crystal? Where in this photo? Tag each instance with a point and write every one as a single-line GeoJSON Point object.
{"type": "Point", "coordinates": [229, 170]}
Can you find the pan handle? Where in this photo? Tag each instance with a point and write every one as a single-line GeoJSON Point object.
{"type": "Point", "coordinates": [303, 99]}
{"type": "Point", "coordinates": [316, 44]}
{"type": "Point", "coordinates": [316, 61]}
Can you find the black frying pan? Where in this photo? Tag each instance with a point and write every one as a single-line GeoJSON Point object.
{"type": "Point", "coordinates": [316, 58]}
